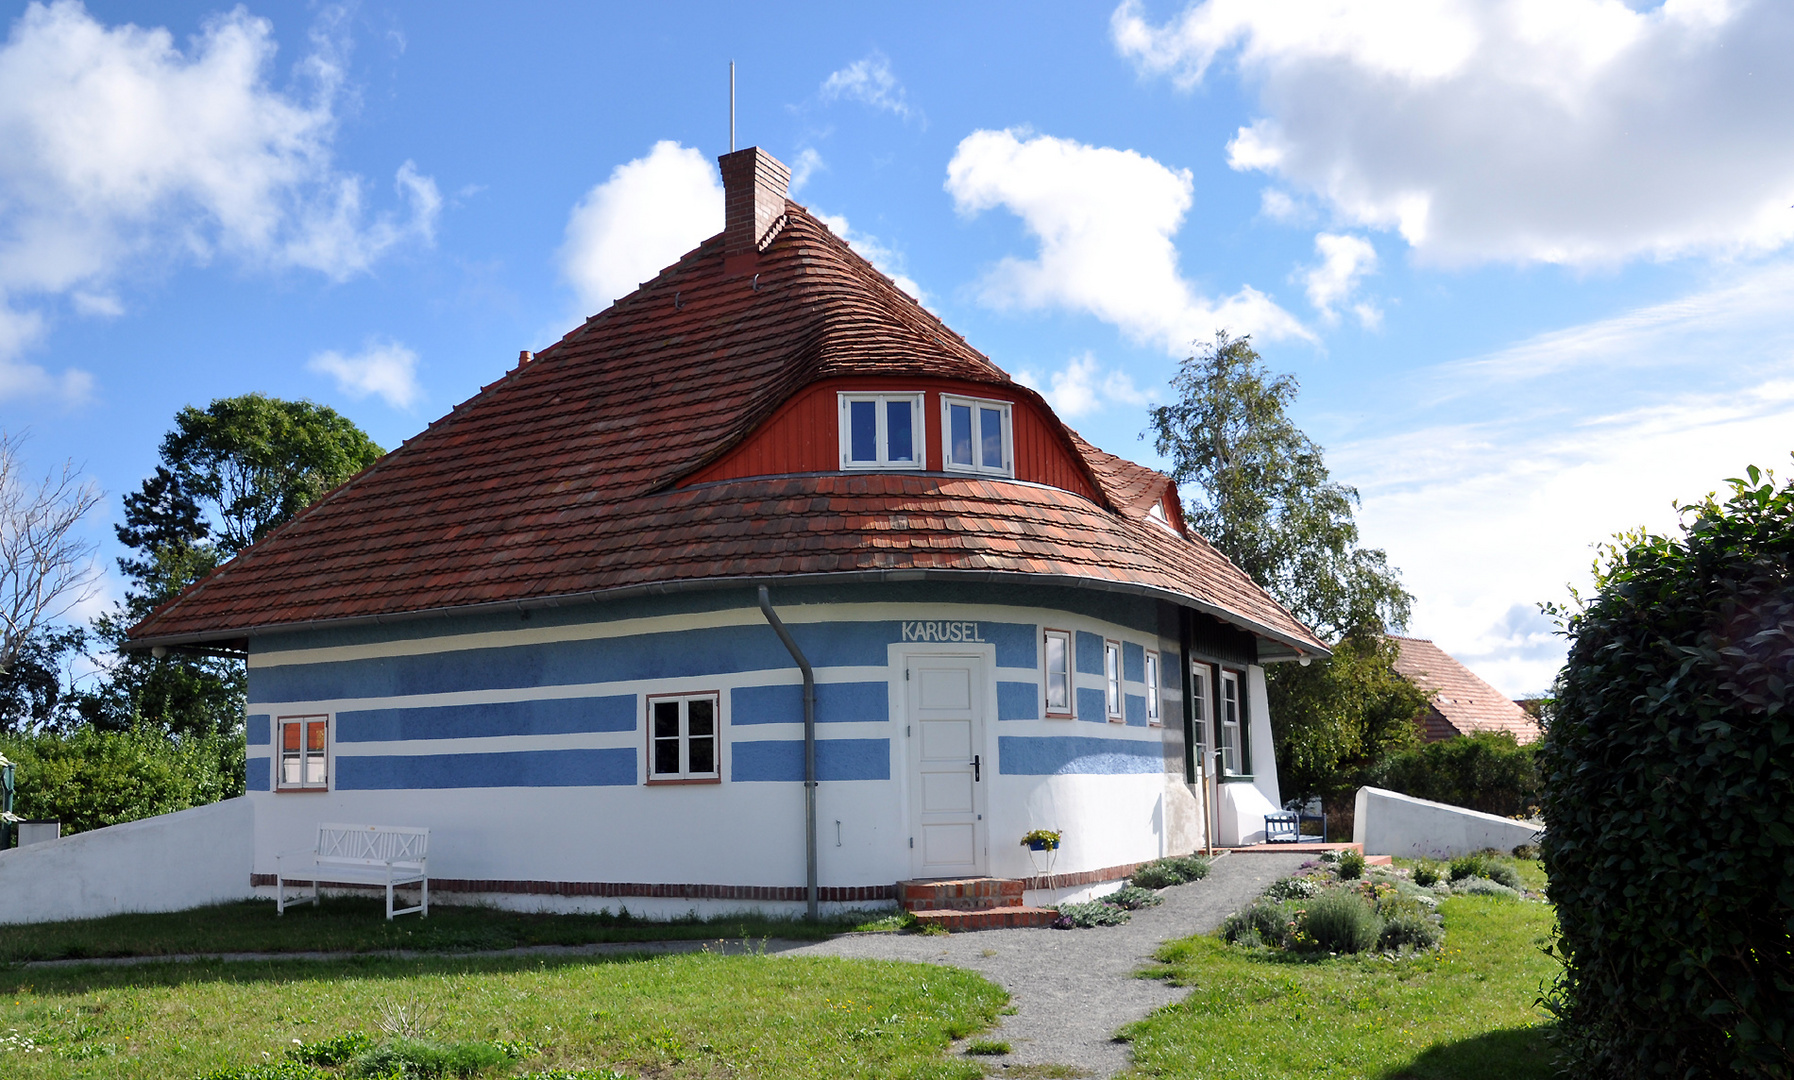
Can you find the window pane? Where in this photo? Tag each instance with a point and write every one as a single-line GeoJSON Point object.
{"type": "Point", "coordinates": [702, 717]}
{"type": "Point", "coordinates": [289, 736]}
{"type": "Point", "coordinates": [666, 755]}
{"type": "Point", "coordinates": [990, 431]}
{"type": "Point", "coordinates": [1112, 669]}
{"type": "Point", "coordinates": [666, 720]}
{"type": "Point", "coordinates": [314, 736]}
{"type": "Point", "coordinates": [1058, 663]}
{"type": "Point", "coordinates": [899, 432]}
{"type": "Point", "coordinates": [959, 429]}
{"type": "Point", "coordinates": [314, 768]}
{"type": "Point", "coordinates": [863, 430]}
{"type": "Point", "coordinates": [703, 753]}
{"type": "Point", "coordinates": [1152, 686]}
{"type": "Point", "coordinates": [289, 764]}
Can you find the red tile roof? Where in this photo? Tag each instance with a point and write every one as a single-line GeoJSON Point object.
{"type": "Point", "coordinates": [1462, 703]}
{"type": "Point", "coordinates": [558, 480]}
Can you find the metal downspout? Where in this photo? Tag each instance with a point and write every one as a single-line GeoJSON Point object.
{"type": "Point", "coordinates": [803, 665]}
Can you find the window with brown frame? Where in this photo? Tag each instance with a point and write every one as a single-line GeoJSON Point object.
{"type": "Point", "coordinates": [1057, 653]}
{"type": "Point", "coordinates": [304, 753]}
{"type": "Point", "coordinates": [684, 738]}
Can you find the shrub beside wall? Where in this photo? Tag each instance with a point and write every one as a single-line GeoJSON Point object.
{"type": "Point", "coordinates": [1485, 771]}
{"type": "Point", "coordinates": [88, 779]}
{"type": "Point", "coordinates": [1668, 770]}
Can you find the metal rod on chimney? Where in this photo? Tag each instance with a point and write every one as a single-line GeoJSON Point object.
{"type": "Point", "coordinates": [731, 106]}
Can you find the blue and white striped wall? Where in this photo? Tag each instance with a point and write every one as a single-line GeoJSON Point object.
{"type": "Point", "coordinates": [522, 745]}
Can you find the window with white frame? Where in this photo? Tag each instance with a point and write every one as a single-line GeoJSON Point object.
{"type": "Point", "coordinates": [1201, 678]}
{"type": "Point", "coordinates": [881, 431]}
{"type": "Point", "coordinates": [1112, 677]}
{"type": "Point", "coordinates": [304, 753]}
{"type": "Point", "coordinates": [1152, 689]}
{"type": "Point", "coordinates": [976, 436]}
{"type": "Point", "coordinates": [1232, 759]}
{"type": "Point", "coordinates": [683, 737]}
{"type": "Point", "coordinates": [1058, 673]}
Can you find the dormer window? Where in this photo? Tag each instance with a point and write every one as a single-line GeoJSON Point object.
{"type": "Point", "coordinates": [881, 431]}
{"type": "Point", "coordinates": [977, 436]}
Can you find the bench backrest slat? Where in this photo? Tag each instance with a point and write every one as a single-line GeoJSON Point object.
{"type": "Point", "coordinates": [373, 843]}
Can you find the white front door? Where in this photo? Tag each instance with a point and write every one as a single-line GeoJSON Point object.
{"type": "Point", "coordinates": [947, 769]}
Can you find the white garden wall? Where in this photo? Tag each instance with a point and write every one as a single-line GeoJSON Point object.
{"type": "Point", "coordinates": [166, 863]}
{"type": "Point", "coordinates": [1389, 823]}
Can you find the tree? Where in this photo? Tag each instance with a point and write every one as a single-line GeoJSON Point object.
{"type": "Point", "coordinates": [1260, 493]}
{"type": "Point", "coordinates": [229, 475]}
{"type": "Point", "coordinates": [46, 566]}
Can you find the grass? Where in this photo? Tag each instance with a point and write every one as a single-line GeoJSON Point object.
{"type": "Point", "coordinates": [1466, 1012]}
{"type": "Point", "coordinates": [353, 924]}
{"type": "Point", "coordinates": [694, 1015]}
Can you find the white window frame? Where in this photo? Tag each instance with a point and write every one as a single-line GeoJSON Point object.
{"type": "Point", "coordinates": [1070, 708]}
{"type": "Point", "coordinates": [306, 756]}
{"type": "Point", "coordinates": [686, 775]}
{"type": "Point", "coordinates": [1231, 715]}
{"type": "Point", "coordinates": [1112, 693]}
{"type": "Point", "coordinates": [918, 436]}
{"type": "Point", "coordinates": [1004, 468]}
{"type": "Point", "coordinates": [1202, 677]}
{"type": "Point", "coordinates": [1153, 708]}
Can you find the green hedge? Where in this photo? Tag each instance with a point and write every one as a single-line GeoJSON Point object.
{"type": "Point", "coordinates": [88, 779]}
{"type": "Point", "coordinates": [1486, 771]}
{"type": "Point", "coordinates": [1669, 792]}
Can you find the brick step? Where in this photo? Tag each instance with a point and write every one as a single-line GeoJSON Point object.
{"type": "Point", "coordinates": [960, 894]}
{"type": "Point", "coordinates": [1379, 860]}
{"type": "Point", "coordinates": [1002, 918]}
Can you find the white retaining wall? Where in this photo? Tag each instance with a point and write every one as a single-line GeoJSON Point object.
{"type": "Point", "coordinates": [166, 863]}
{"type": "Point", "coordinates": [1389, 823]}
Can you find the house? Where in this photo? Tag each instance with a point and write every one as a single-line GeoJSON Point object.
{"type": "Point", "coordinates": [537, 627]}
{"type": "Point", "coordinates": [1462, 703]}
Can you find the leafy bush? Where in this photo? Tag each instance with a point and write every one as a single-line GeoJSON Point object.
{"type": "Point", "coordinates": [1351, 865]}
{"type": "Point", "coordinates": [1094, 913]}
{"type": "Point", "coordinates": [418, 1059]}
{"type": "Point", "coordinates": [1133, 898]}
{"type": "Point", "coordinates": [88, 779]}
{"type": "Point", "coordinates": [1485, 866]}
{"type": "Point", "coordinates": [335, 1051]}
{"type": "Point", "coordinates": [1667, 769]}
{"type": "Point", "coordinates": [1261, 922]}
{"type": "Point", "coordinates": [1481, 886]}
{"type": "Point", "coordinates": [1291, 888]}
{"type": "Point", "coordinates": [1486, 770]}
{"type": "Point", "coordinates": [1177, 870]}
{"type": "Point", "coordinates": [1426, 872]}
{"type": "Point", "coordinates": [1417, 931]}
{"type": "Point", "coordinates": [1342, 920]}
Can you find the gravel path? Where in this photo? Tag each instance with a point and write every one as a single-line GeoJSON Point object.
{"type": "Point", "coordinates": [1073, 988]}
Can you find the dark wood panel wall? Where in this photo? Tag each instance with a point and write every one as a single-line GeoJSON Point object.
{"type": "Point", "coordinates": [802, 435]}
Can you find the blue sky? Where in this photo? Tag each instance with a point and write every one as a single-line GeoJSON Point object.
{"type": "Point", "coordinates": [1529, 260]}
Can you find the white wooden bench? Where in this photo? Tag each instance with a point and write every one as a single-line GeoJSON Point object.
{"type": "Point", "coordinates": [388, 855]}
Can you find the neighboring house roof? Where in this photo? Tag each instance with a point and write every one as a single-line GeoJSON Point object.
{"type": "Point", "coordinates": [572, 476]}
{"type": "Point", "coordinates": [1462, 703]}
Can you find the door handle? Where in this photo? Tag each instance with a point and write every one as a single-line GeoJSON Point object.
{"type": "Point", "coordinates": [975, 759]}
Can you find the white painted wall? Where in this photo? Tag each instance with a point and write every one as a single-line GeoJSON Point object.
{"type": "Point", "coordinates": [166, 863]}
{"type": "Point", "coordinates": [1389, 823]}
{"type": "Point", "coordinates": [1264, 751]}
{"type": "Point", "coordinates": [1241, 814]}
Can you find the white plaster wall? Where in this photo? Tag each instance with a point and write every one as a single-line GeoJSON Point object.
{"type": "Point", "coordinates": [1241, 813]}
{"type": "Point", "coordinates": [1389, 823]}
{"type": "Point", "coordinates": [1264, 751]}
{"type": "Point", "coordinates": [166, 863]}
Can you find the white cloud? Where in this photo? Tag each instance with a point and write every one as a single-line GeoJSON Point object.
{"type": "Point", "coordinates": [1104, 219]}
{"type": "Point", "coordinates": [808, 164]}
{"type": "Point", "coordinates": [869, 80]}
{"type": "Point", "coordinates": [651, 211]}
{"type": "Point", "coordinates": [888, 261]}
{"type": "Point", "coordinates": [1561, 131]}
{"type": "Point", "coordinates": [1344, 262]}
{"type": "Point", "coordinates": [382, 367]}
{"type": "Point", "coordinates": [1491, 494]}
{"type": "Point", "coordinates": [1082, 387]}
{"type": "Point", "coordinates": [119, 150]}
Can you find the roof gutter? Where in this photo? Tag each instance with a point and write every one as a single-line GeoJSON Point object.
{"type": "Point", "coordinates": [1297, 648]}
{"type": "Point", "coordinates": [803, 665]}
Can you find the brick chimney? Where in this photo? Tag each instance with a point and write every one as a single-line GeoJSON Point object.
{"type": "Point", "coordinates": [754, 186]}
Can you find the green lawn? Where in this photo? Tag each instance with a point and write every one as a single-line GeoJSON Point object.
{"type": "Point", "coordinates": [346, 924]}
{"type": "Point", "coordinates": [1466, 1012]}
{"type": "Point", "coordinates": [695, 1015]}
